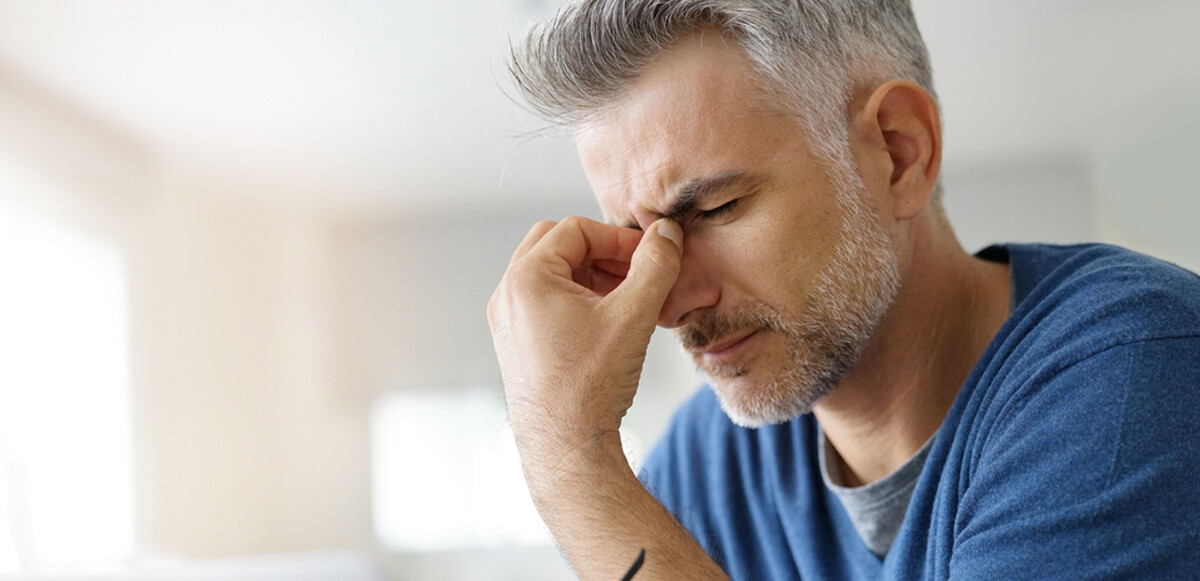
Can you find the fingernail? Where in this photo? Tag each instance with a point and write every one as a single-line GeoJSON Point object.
{"type": "Point", "coordinates": [670, 230]}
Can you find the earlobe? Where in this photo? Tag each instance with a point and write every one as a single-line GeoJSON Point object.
{"type": "Point", "coordinates": [901, 121]}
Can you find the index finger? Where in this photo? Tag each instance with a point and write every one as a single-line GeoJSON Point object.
{"type": "Point", "coordinates": [535, 234]}
{"type": "Point", "coordinates": [576, 241]}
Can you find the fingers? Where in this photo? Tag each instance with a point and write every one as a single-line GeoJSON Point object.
{"type": "Point", "coordinates": [653, 270]}
{"type": "Point", "coordinates": [634, 267]}
{"type": "Point", "coordinates": [577, 241]}
{"type": "Point", "coordinates": [531, 239]}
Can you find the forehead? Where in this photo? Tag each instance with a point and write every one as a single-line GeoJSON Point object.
{"type": "Point", "coordinates": [695, 112]}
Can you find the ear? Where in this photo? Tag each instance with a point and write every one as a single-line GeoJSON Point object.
{"type": "Point", "coordinates": [900, 127]}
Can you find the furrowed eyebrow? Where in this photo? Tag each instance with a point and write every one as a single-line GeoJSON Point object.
{"type": "Point", "coordinates": [696, 191]}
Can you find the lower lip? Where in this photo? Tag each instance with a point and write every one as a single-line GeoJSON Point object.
{"type": "Point", "coordinates": [729, 352]}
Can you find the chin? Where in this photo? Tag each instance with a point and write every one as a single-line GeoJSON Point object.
{"type": "Point", "coordinates": [753, 404]}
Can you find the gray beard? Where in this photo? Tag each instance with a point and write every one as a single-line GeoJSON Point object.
{"type": "Point", "coordinates": [827, 338]}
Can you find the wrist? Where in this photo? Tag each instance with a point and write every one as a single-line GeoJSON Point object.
{"type": "Point", "coordinates": [543, 431]}
{"type": "Point", "coordinates": [558, 464]}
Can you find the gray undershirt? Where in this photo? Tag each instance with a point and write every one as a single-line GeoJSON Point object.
{"type": "Point", "coordinates": [876, 509]}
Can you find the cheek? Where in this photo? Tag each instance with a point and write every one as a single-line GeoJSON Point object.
{"type": "Point", "coordinates": [770, 257]}
{"type": "Point", "coordinates": [744, 259]}
{"type": "Point", "coordinates": [805, 240]}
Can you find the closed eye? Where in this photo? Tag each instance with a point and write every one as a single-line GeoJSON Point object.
{"type": "Point", "coordinates": [719, 211]}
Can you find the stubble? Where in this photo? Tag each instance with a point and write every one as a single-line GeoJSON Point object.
{"type": "Point", "coordinates": [825, 338]}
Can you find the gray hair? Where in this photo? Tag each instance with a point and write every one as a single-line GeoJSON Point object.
{"type": "Point", "coordinates": [811, 55]}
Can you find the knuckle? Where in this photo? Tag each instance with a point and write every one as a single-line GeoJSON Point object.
{"type": "Point", "coordinates": [573, 221]}
{"type": "Point", "coordinates": [496, 307]}
{"type": "Point", "coordinates": [491, 308]}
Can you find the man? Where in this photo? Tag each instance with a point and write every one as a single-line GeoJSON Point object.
{"type": "Point", "coordinates": [883, 404]}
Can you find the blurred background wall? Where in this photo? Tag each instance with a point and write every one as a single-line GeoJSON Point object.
{"type": "Point", "coordinates": [311, 204]}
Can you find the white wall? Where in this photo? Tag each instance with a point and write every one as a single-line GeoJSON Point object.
{"type": "Point", "coordinates": [1020, 201]}
{"type": "Point", "coordinates": [1146, 194]}
{"type": "Point", "coordinates": [249, 446]}
{"type": "Point", "coordinates": [242, 443]}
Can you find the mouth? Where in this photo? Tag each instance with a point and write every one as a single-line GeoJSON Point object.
{"type": "Point", "coordinates": [724, 350]}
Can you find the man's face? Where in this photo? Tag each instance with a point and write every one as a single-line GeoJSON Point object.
{"type": "Point", "coordinates": [786, 267]}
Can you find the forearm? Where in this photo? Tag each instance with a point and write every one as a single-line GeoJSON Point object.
{"type": "Point", "coordinates": [602, 516]}
{"type": "Point", "coordinates": [571, 321]}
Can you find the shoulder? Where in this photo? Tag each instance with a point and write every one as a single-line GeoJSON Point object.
{"type": "Point", "coordinates": [1103, 292]}
{"type": "Point", "coordinates": [1090, 324]}
{"type": "Point", "coordinates": [1083, 420]}
{"type": "Point", "coordinates": [1085, 469]}
{"type": "Point", "coordinates": [1072, 303]}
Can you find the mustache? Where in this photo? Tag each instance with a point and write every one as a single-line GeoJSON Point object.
{"type": "Point", "coordinates": [712, 327]}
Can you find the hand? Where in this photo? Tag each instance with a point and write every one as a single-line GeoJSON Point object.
{"type": "Point", "coordinates": [571, 321]}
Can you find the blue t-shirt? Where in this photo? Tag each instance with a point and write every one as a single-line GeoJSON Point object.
{"type": "Point", "coordinates": [1071, 452]}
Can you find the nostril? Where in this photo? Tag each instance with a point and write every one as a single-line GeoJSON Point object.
{"type": "Point", "coordinates": [695, 289]}
{"type": "Point", "coordinates": [686, 303]}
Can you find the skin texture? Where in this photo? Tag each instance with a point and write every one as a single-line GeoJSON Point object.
{"type": "Point", "coordinates": [573, 315]}
{"type": "Point", "coordinates": [779, 292]}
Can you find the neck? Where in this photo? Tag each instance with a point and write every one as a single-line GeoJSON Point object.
{"type": "Point", "coordinates": [949, 308]}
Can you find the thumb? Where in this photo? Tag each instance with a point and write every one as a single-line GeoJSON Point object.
{"type": "Point", "coordinates": [653, 269]}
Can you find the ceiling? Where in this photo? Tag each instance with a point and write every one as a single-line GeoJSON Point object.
{"type": "Point", "coordinates": [370, 103]}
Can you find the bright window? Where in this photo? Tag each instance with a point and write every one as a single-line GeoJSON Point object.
{"type": "Point", "coordinates": [66, 486]}
{"type": "Point", "coordinates": [445, 473]}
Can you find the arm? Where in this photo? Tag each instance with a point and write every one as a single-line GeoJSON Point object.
{"type": "Point", "coordinates": [571, 321]}
{"type": "Point", "coordinates": [601, 516]}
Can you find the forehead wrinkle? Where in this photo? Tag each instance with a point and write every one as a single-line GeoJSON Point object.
{"type": "Point", "coordinates": [649, 180]}
{"type": "Point", "coordinates": [648, 157]}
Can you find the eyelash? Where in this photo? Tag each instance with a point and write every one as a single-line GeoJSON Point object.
{"type": "Point", "coordinates": [719, 211]}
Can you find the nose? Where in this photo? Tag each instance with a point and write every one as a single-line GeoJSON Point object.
{"type": "Point", "coordinates": [695, 290]}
